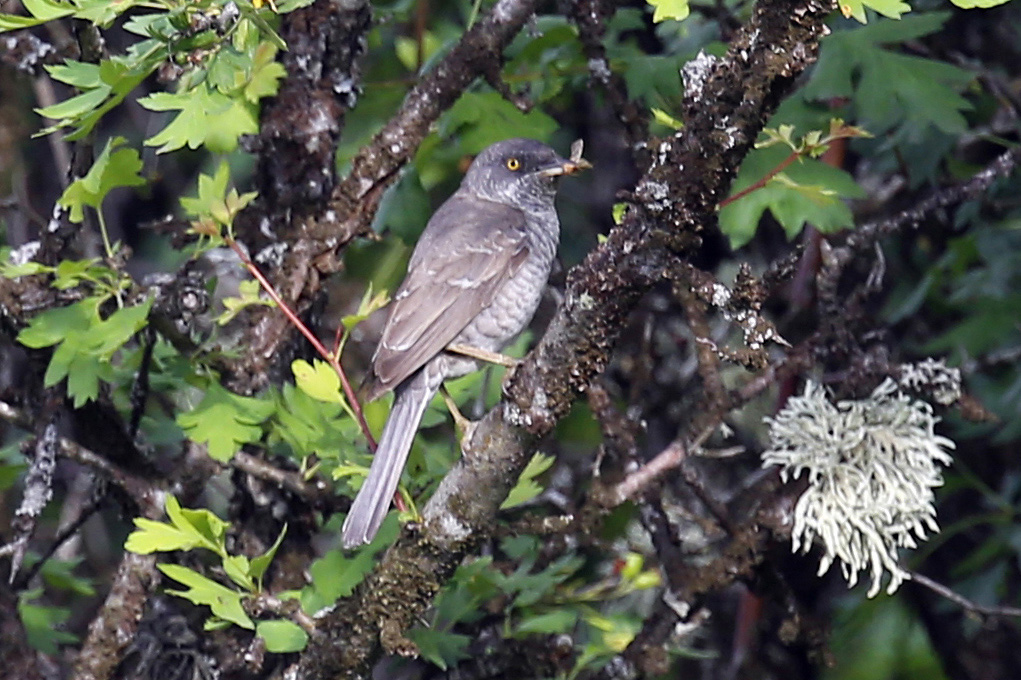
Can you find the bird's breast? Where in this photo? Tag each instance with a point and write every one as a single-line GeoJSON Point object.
{"type": "Point", "coordinates": [515, 303]}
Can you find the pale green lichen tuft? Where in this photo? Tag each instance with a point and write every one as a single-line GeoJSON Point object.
{"type": "Point", "coordinates": [872, 465]}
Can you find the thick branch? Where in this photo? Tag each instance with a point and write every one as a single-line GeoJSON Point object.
{"type": "Point", "coordinates": [375, 167]}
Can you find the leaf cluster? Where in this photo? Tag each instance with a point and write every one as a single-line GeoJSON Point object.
{"type": "Point", "coordinates": [188, 530]}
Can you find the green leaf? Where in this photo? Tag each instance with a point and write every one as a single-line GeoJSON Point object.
{"type": "Point", "coordinates": [618, 213]}
{"type": "Point", "coordinates": [216, 207]}
{"type": "Point", "coordinates": [440, 648]}
{"type": "Point", "coordinates": [40, 12]}
{"type": "Point", "coordinates": [549, 623]}
{"type": "Point", "coordinates": [653, 79]}
{"type": "Point", "coordinates": [886, 89]}
{"type": "Point", "coordinates": [85, 342]}
{"type": "Point", "coordinates": [282, 636]}
{"type": "Point", "coordinates": [249, 294]}
{"type": "Point", "coordinates": [526, 489]}
{"type": "Point", "coordinates": [224, 421]}
{"type": "Point", "coordinates": [259, 565]}
{"type": "Point", "coordinates": [187, 529]}
{"type": "Point", "coordinates": [266, 74]}
{"type": "Point", "coordinates": [111, 169]}
{"type": "Point", "coordinates": [808, 192]}
{"type": "Point", "coordinates": [478, 119]}
{"type": "Point", "coordinates": [368, 305]}
{"type": "Point", "coordinates": [66, 111]}
{"type": "Point", "coordinates": [309, 426]}
{"type": "Point", "coordinates": [56, 325]}
{"type": "Point", "coordinates": [335, 575]}
{"type": "Point", "coordinates": [211, 188]}
{"type": "Point", "coordinates": [318, 380]}
{"type": "Point", "coordinates": [666, 120]}
{"type": "Point", "coordinates": [80, 74]}
{"type": "Point", "coordinates": [669, 9]}
{"type": "Point", "coordinates": [43, 623]}
{"type": "Point", "coordinates": [972, 4]}
{"type": "Point", "coordinates": [151, 536]}
{"type": "Point", "coordinates": [207, 118]}
{"type": "Point", "coordinates": [118, 76]}
{"type": "Point", "coordinates": [888, 8]}
{"type": "Point", "coordinates": [104, 12]}
{"type": "Point", "coordinates": [224, 602]}
{"type": "Point", "coordinates": [237, 569]}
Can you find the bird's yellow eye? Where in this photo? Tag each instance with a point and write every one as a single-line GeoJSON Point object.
{"type": "Point", "coordinates": [513, 164]}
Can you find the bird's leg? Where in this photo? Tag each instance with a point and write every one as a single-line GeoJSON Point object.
{"type": "Point", "coordinates": [462, 424]}
{"type": "Point", "coordinates": [484, 355]}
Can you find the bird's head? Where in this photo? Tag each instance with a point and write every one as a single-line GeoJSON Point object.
{"type": "Point", "coordinates": [518, 172]}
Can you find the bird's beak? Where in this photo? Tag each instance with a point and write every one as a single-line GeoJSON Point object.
{"type": "Point", "coordinates": [565, 167]}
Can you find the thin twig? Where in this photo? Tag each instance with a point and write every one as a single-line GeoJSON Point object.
{"type": "Point", "coordinates": [667, 459]}
{"type": "Point", "coordinates": [330, 358]}
{"type": "Point", "coordinates": [957, 598]}
{"type": "Point", "coordinates": [762, 182]}
{"type": "Point", "coordinates": [24, 580]}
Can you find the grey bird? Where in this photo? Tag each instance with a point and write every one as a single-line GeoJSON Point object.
{"type": "Point", "coordinates": [475, 279]}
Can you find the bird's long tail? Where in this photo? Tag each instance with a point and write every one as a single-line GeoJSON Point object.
{"type": "Point", "coordinates": [373, 500]}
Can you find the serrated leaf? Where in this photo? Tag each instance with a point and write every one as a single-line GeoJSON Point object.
{"type": "Point", "coordinates": [104, 12]}
{"type": "Point", "coordinates": [211, 190]}
{"type": "Point", "coordinates": [40, 12]}
{"type": "Point", "coordinates": [318, 380]}
{"type": "Point", "coordinates": [80, 74]}
{"type": "Point", "coordinates": [888, 8]}
{"type": "Point", "coordinates": [224, 421]}
{"type": "Point", "coordinates": [479, 119]}
{"type": "Point", "coordinates": [972, 4]}
{"type": "Point", "coordinates": [335, 575]}
{"type": "Point", "coordinates": [440, 648]}
{"type": "Point", "coordinates": [259, 565]}
{"type": "Point", "coordinates": [202, 522]}
{"type": "Point", "coordinates": [282, 636]}
{"type": "Point", "coordinates": [85, 342]}
{"type": "Point", "coordinates": [56, 325]}
{"type": "Point", "coordinates": [549, 623]}
{"type": "Point", "coordinates": [248, 295]}
{"type": "Point", "coordinates": [65, 111]}
{"type": "Point", "coordinates": [206, 118]}
{"type": "Point", "coordinates": [669, 9]}
{"type": "Point", "coordinates": [222, 601]}
{"type": "Point", "coordinates": [237, 569]}
{"type": "Point", "coordinates": [151, 536]}
{"type": "Point", "coordinates": [526, 489]}
{"type": "Point", "coordinates": [887, 89]}
{"type": "Point", "coordinates": [809, 191]}
{"type": "Point", "coordinates": [110, 170]}
{"type": "Point", "coordinates": [266, 73]}
{"type": "Point", "coordinates": [187, 529]}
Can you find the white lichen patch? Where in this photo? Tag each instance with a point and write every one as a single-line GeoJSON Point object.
{"type": "Point", "coordinates": [872, 465]}
{"type": "Point", "coordinates": [933, 377]}
{"type": "Point", "coordinates": [695, 73]}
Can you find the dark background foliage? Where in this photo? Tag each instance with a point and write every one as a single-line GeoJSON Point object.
{"type": "Point", "coordinates": [363, 131]}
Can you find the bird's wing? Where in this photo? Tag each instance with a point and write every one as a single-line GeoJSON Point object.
{"type": "Point", "coordinates": [469, 249]}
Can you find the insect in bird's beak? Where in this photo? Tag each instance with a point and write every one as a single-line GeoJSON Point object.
{"type": "Point", "coordinates": [574, 165]}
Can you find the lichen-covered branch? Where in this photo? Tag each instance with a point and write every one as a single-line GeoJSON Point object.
{"type": "Point", "coordinates": [376, 166]}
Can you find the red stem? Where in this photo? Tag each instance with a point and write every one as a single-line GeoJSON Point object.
{"type": "Point", "coordinates": [332, 359]}
{"type": "Point", "coordinates": [762, 182]}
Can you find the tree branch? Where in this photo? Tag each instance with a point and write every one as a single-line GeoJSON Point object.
{"type": "Point", "coordinates": [375, 168]}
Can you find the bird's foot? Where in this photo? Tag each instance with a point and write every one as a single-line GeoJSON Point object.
{"type": "Point", "coordinates": [463, 424]}
{"type": "Point", "coordinates": [484, 355]}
